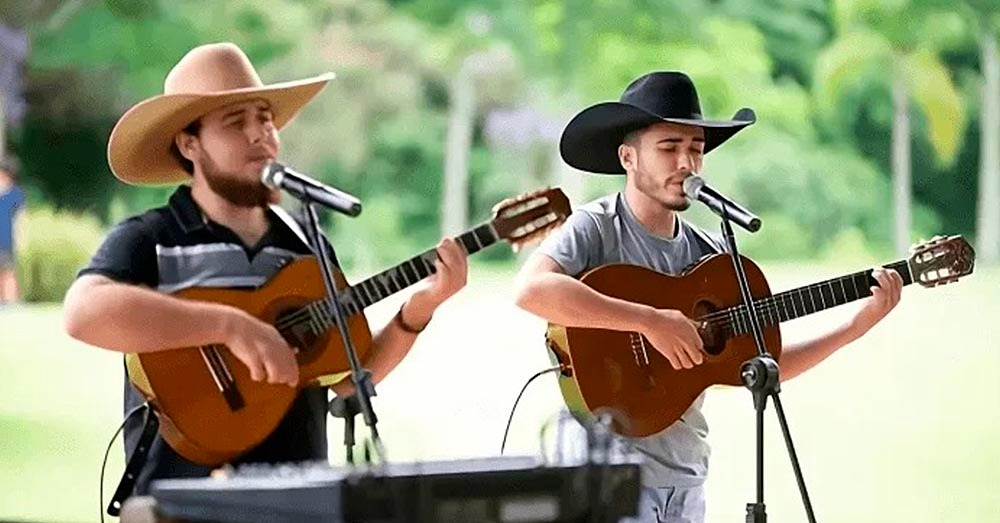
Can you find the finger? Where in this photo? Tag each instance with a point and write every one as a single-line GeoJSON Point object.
{"type": "Point", "coordinates": [452, 275]}
{"type": "Point", "coordinates": [882, 284]}
{"type": "Point", "coordinates": [897, 279]}
{"type": "Point", "coordinates": [896, 283]}
{"type": "Point", "coordinates": [286, 368]}
{"type": "Point", "coordinates": [672, 358]}
{"type": "Point", "coordinates": [276, 370]}
{"type": "Point", "coordinates": [449, 252]}
{"type": "Point", "coordinates": [694, 351]}
{"type": "Point", "coordinates": [293, 370]}
{"type": "Point", "coordinates": [882, 277]}
{"type": "Point", "coordinates": [683, 357]}
{"type": "Point", "coordinates": [461, 264]}
{"type": "Point", "coordinates": [289, 366]}
{"type": "Point", "coordinates": [255, 366]}
{"type": "Point", "coordinates": [441, 269]}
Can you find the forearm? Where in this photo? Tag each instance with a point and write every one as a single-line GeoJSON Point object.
{"type": "Point", "coordinates": [803, 355]}
{"type": "Point", "coordinates": [391, 343]}
{"type": "Point", "coordinates": [129, 318]}
{"type": "Point", "coordinates": [564, 300]}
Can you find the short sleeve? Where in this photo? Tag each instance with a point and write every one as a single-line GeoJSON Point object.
{"type": "Point", "coordinates": [128, 255]}
{"type": "Point", "coordinates": [576, 245]}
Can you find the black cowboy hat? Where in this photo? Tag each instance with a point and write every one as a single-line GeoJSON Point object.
{"type": "Point", "coordinates": [591, 139]}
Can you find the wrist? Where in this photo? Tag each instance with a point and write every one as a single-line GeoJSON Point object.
{"type": "Point", "coordinates": [413, 316]}
{"type": "Point", "coordinates": [222, 320]}
{"type": "Point", "coordinates": [857, 328]}
{"type": "Point", "coordinates": [641, 318]}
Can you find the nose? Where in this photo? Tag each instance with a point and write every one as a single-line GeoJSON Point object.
{"type": "Point", "coordinates": [256, 131]}
{"type": "Point", "coordinates": [685, 162]}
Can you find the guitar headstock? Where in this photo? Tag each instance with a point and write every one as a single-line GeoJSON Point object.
{"type": "Point", "coordinates": [941, 260]}
{"type": "Point", "coordinates": [531, 216]}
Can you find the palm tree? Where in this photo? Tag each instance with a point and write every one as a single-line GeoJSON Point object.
{"type": "Point", "coordinates": [880, 44]}
{"type": "Point", "coordinates": [482, 78]}
{"type": "Point", "coordinates": [985, 20]}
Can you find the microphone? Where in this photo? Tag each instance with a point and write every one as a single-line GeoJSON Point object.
{"type": "Point", "coordinates": [695, 188]}
{"type": "Point", "coordinates": [278, 176]}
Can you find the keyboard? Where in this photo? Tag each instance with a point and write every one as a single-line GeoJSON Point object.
{"type": "Point", "coordinates": [507, 490]}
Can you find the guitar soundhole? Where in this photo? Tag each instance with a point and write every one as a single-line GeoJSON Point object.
{"type": "Point", "coordinates": [712, 332]}
{"type": "Point", "coordinates": [297, 329]}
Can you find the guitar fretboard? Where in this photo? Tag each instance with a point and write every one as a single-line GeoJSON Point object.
{"type": "Point", "coordinates": [803, 301]}
{"type": "Point", "coordinates": [356, 298]}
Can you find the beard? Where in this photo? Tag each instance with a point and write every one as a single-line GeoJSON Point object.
{"type": "Point", "coordinates": [236, 190]}
{"type": "Point", "coordinates": [677, 205]}
{"type": "Point", "coordinates": [664, 196]}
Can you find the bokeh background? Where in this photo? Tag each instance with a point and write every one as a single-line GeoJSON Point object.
{"type": "Point", "coordinates": [878, 127]}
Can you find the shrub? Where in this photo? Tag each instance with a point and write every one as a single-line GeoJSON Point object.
{"type": "Point", "coordinates": [53, 248]}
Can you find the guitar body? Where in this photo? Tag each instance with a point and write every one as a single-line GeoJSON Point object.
{"type": "Point", "coordinates": [195, 418]}
{"type": "Point", "coordinates": [623, 373]}
{"type": "Point", "coordinates": [211, 412]}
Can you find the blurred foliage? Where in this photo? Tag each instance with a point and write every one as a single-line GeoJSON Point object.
{"type": "Point", "coordinates": [55, 246]}
{"type": "Point", "coordinates": [818, 74]}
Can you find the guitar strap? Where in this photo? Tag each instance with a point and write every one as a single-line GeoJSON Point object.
{"type": "Point", "coordinates": [135, 461]}
{"type": "Point", "coordinates": [296, 227]}
{"type": "Point", "coordinates": [291, 223]}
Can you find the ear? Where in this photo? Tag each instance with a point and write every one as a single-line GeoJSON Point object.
{"type": "Point", "coordinates": [187, 144]}
{"type": "Point", "coordinates": [627, 156]}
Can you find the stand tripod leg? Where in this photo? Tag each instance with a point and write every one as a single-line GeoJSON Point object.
{"type": "Point", "coordinates": [757, 511]}
{"type": "Point", "coordinates": [794, 458]}
{"type": "Point", "coordinates": [346, 407]}
{"type": "Point", "coordinates": [760, 448]}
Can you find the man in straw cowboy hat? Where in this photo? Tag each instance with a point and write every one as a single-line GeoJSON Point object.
{"type": "Point", "coordinates": [216, 126]}
{"type": "Point", "coordinates": [656, 136]}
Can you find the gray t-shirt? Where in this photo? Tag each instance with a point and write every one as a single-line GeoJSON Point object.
{"type": "Point", "coordinates": [605, 231]}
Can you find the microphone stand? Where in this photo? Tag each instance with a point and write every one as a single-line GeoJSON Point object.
{"type": "Point", "coordinates": [760, 375]}
{"type": "Point", "coordinates": [364, 387]}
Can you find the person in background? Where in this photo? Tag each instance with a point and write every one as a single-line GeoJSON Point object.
{"type": "Point", "coordinates": [11, 205]}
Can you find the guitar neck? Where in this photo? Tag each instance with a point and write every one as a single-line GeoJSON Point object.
{"type": "Point", "coordinates": [807, 300]}
{"type": "Point", "coordinates": [357, 297]}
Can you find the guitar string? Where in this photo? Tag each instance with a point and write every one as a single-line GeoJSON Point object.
{"type": "Point", "coordinates": [350, 296]}
{"type": "Point", "coordinates": [721, 318]}
{"type": "Point", "coordinates": [770, 302]}
{"type": "Point", "coordinates": [303, 315]}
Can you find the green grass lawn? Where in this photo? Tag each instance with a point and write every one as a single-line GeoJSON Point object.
{"type": "Point", "coordinates": [904, 425]}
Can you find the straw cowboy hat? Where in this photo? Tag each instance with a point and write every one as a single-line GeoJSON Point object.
{"type": "Point", "coordinates": [591, 139]}
{"type": "Point", "coordinates": [206, 78]}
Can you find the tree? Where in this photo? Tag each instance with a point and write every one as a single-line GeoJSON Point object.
{"type": "Point", "coordinates": [984, 20]}
{"type": "Point", "coordinates": [879, 44]}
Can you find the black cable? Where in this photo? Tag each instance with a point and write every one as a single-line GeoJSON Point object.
{"type": "Point", "coordinates": [506, 431]}
{"type": "Point", "coordinates": [107, 451]}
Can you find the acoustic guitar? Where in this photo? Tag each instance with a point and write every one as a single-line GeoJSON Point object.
{"type": "Point", "coordinates": [621, 372]}
{"type": "Point", "coordinates": [209, 409]}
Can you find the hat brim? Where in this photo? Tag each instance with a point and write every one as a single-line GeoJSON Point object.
{"type": "Point", "coordinates": [139, 146]}
{"type": "Point", "coordinates": [590, 140]}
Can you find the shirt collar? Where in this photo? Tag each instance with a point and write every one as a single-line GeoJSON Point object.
{"type": "Point", "coordinates": [186, 210]}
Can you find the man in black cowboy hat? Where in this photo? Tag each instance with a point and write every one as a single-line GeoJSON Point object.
{"type": "Point", "coordinates": [657, 137]}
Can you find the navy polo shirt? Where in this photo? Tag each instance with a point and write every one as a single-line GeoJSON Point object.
{"type": "Point", "coordinates": [175, 247]}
